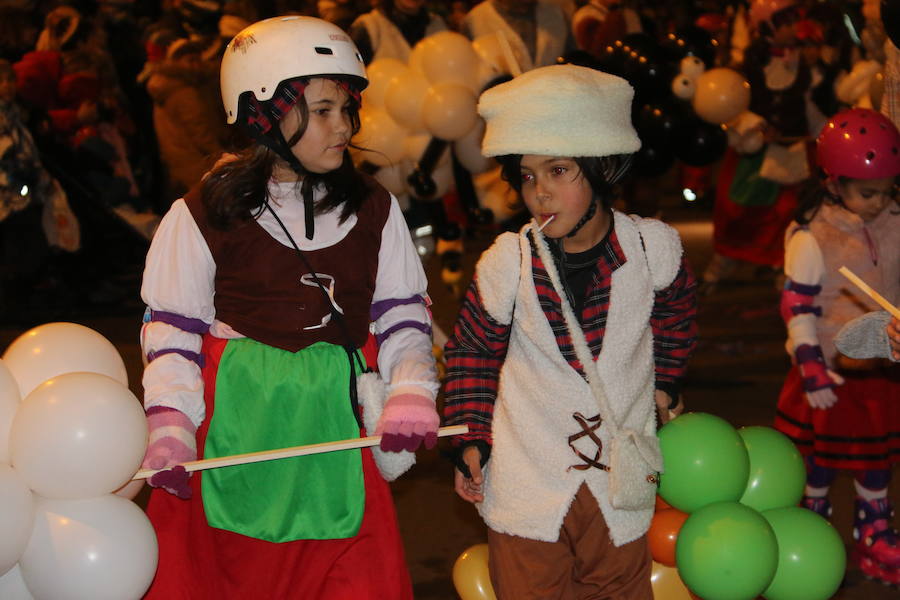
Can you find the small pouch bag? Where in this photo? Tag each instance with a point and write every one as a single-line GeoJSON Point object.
{"type": "Point", "coordinates": [635, 462]}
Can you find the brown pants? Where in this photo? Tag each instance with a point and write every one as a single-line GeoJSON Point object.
{"type": "Point", "coordinates": [582, 564]}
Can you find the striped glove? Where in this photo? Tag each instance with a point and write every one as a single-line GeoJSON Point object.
{"type": "Point", "coordinates": [407, 421]}
{"type": "Point", "coordinates": [172, 442]}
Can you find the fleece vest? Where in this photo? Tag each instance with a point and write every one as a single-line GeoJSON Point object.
{"type": "Point", "coordinates": [529, 484]}
{"type": "Point", "coordinates": [842, 238]}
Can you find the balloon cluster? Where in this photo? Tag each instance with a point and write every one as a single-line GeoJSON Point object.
{"type": "Point", "coordinates": [433, 98]}
{"type": "Point", "coordinates": [71, 434]}
{"type": "Point", "coordinates": [729, 522]}
{"type": "Point", "coordinates": [680, 107]}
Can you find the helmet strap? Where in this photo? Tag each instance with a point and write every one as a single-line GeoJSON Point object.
{"type": "Point", "coordinates": [274, 140]}
{"type": "Point", "coordinates": [588, 215]}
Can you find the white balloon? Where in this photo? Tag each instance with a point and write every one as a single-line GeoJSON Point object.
{"type": "Point", "coordinates": [131, 489]}
{"type": "Point", "coordinates": [692, 67]}
{"type": "Point", "coordinates": [78, 435]}
{"type": "Point", "coordinates": [495, 194]}
{"type": "Point", "coordinates": [405, 97]}
{"type": "Point", "coordinates": [56, 348]}
{"type": "Point", "coordinates": [393, 178]}
{"type": "Point", "coordinates": [16, 517]}
{"type": "Point", "coordinates": [443, 179]}
{"type": "Point", "coordinates": [12, 586]}
{"type": "Point", "coordinates": [449, 110]}
{"type": "Point", "coordinates": [448, 56]}
{"type": "Point", "coordinates": [468, 150]}
{"type": "Point", "coordinates": [684, 87]}
{"type": "Point", "coordinates": [91, 549]}
{"type": "Point", "coordinates": [380, 138]}
{"type": "Point", "coordinates": [9, 404]}
{"type": "Point", "coordinates": [380, 72]}
{"type": "Point", "coordinates": [415, 146]}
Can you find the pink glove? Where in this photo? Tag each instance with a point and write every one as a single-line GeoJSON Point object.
{"type": "Point", "coordinates": [173, 442]}
{"type": "Point", "coordinates": [407, 420]}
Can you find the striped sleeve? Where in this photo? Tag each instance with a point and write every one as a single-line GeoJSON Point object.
{"type": "Point", "coordinates": [474, 355]}
{"type": "Point", "coordinates": [674, 324]}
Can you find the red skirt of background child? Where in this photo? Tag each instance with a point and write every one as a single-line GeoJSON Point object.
{"type": "Point", "coordinates": [861, 431]}
{"type": "Point", "coordinates": [197, 562]}
{"type": "Point", "coordinates": [754, 234]}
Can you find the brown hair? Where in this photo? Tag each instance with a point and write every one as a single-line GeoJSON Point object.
{"type": "Point", "coordinates": [237, 190]}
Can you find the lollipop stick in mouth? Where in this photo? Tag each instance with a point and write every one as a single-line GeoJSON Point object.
{"type": "Point", "coordinates": [547, 222]}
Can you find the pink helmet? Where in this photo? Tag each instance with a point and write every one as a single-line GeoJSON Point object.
{"type": "Point", "coordinates": [859, 143]}
{"type": "Point", "coordinates": [762, 10]}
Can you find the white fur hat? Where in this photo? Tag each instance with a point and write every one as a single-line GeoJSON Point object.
{"type": "Point", "coordinates": [560, 110]}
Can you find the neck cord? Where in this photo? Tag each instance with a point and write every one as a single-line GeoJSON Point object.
{"type": "Point", "coordinates": [350, 346]}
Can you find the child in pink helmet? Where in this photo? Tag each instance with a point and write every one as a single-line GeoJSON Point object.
{"type": "Point", "coordinates": [844, 413]}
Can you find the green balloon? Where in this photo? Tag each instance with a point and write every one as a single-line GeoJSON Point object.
{"type": "Point", "coordinates": [777, 473]}
{"type": "Point", "coordinates": [811, 556]}
{"type": "Point", "coordinates": [726, 551]}
{"type": "Point", "coordinates": [705, 461]}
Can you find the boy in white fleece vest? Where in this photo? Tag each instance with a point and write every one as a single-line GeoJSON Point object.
{"type": "Point", "coordinates": [581, 292]}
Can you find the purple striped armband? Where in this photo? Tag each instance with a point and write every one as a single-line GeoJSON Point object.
{"type": "Point", "coordinates": [798, 299]}
{"type": "Point", "coordinates": [381, 307]}
{"type": "Point", "coordinates": [186, 324]}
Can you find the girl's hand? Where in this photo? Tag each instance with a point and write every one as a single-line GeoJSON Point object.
{"type": "Point", "coordinates": [825, 398]}
{"type": "Point", "coordinates": [893, 332]}
{"type": "Point", "coordinates": [470, 488]}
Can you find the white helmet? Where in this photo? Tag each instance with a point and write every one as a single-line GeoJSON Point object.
{"type": "Point", "coordinates": [274, 50]}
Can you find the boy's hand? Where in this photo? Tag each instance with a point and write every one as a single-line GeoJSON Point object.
{"type": "Point", "coordinates": [470, 488]}
{"type": "Point", "coordinates": [666, 408]}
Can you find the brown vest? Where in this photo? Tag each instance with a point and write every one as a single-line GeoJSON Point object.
{"type": "Point", "coordinates": [258, 285]}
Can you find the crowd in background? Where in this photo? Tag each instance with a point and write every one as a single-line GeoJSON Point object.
{"type": "Point", "coordinates": [110, 109]}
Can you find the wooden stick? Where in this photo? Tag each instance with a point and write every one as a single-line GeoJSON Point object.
{"type": "Point", "coordinates": [264, 455]}
{"type": "Point", "coordinates": [882, 302]}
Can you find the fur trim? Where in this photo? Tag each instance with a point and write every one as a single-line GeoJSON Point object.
{"type": "Point", "coordinates": [661, 243]}
{"type": "Point", "coordinates": [497, 276]}
{"type": "Point", "coordinates": [372, 393]}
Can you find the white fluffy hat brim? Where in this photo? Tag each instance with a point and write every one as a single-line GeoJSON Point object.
{"type": "Point", "coordinates": [560, 110]}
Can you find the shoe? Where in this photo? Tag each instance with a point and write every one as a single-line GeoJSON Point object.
{"type": "Point", "coordinates": [877, 543]}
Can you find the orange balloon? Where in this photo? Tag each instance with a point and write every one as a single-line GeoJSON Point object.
{"type": "Point", "coordinates": [663, 533]}
{"type": "Point", "coordinates": [662, 504]}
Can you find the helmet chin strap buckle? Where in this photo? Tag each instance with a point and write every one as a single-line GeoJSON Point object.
{"type": "Point", "coordinates": [588, 215]}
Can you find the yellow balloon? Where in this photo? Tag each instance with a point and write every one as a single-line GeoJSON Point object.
{"type": "Point", "coordinates": [404, 98]}
{"type": "Point", "coordinates": [470, 574]}
{"type": "Point", "coordinates": [449, 57]}
{"type": "Point", "coordinates": [667, 584]}
{"type": "Point", "coordinates": [380, 137]}
{"type": "Point", "coordinates": [449, 110]}
{"type": "Point", "coordinates": [468, 150]}
{"type": "Point", "coordinates": [380, 73]}
{"type": "Point", "coordinates": [721, 95]}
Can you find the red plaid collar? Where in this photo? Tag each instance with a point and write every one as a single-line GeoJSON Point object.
{"type": "Point", "coordinates": [286, 96]}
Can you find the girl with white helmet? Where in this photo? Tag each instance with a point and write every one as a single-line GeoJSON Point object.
{"type": "Point", "coordinates": [263, 284]}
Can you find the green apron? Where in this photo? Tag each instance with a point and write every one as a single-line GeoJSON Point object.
{"type": "Point", "coordinates": [267, 399]}
{"type": "Point", "coordinates": [748, 188]}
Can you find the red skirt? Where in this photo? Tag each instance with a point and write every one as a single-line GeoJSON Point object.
{"type": "Point", "coordinates": [861, 431]}
{"type": "Point", "coordinates": [197, 562]}
{"type": "Point", "coordinates": [754, 234]}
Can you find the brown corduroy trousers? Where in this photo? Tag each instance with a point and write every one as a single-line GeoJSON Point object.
{"type": "Point", "coordinates": [582, 564]}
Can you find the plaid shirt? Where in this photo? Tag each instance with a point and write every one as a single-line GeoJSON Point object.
{"type": "Point", "coordinates": [476, 350]}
